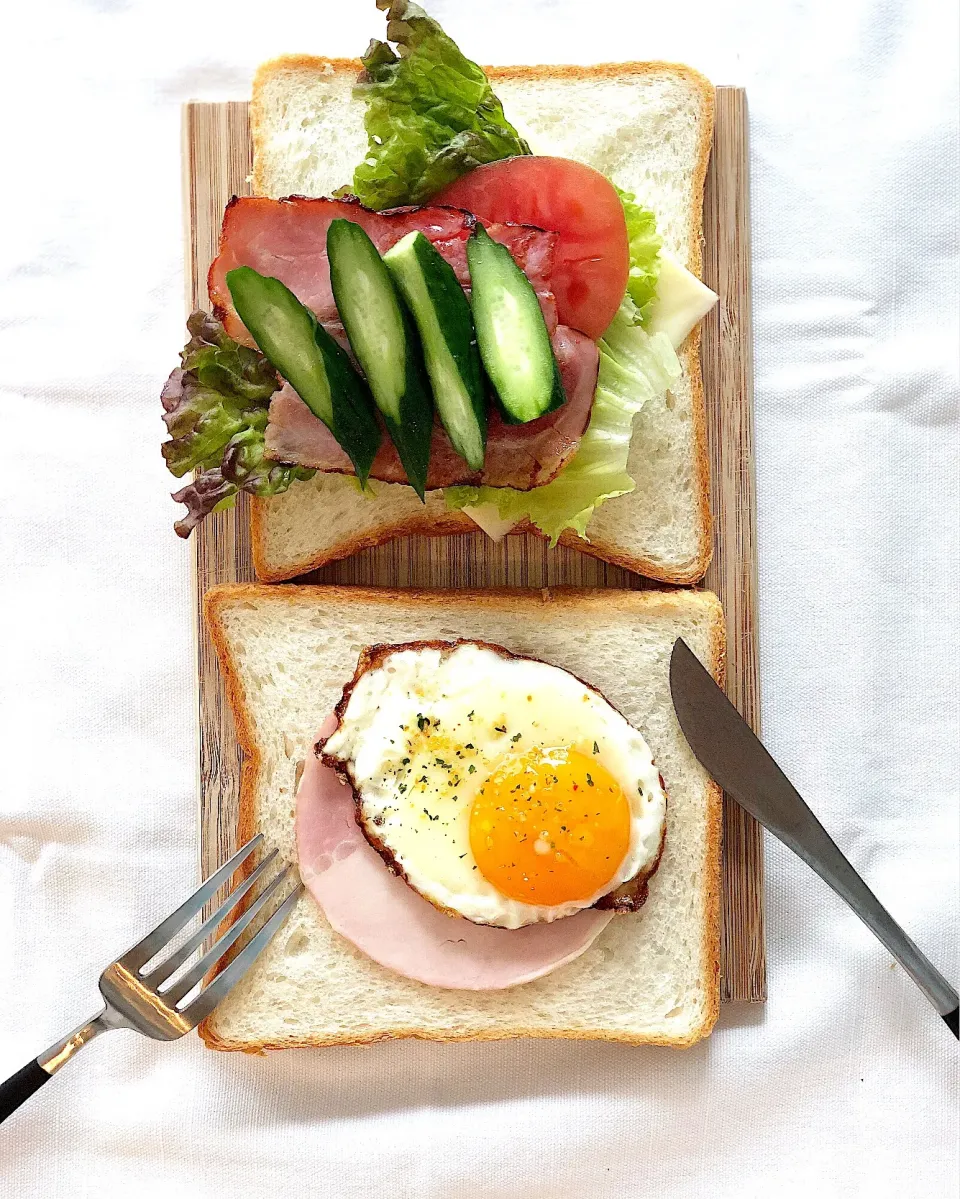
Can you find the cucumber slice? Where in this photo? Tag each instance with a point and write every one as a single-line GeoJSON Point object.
{"type": "Point", "coordinates": [385, 344]}
{"type": "Point", "coordinates": [306, 355]}
{"type": "Point", "coordinates": [442, 314]}
{"type": "Point", "coordinates": [511, 332]}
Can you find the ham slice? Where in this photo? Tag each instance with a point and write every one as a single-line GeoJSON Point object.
{"type": "Point", "coordinates": [518, 456]}
{"type": "Point", "coordinates": [287, 239]}
{"type": "Point", "coordinates": [388, 921]}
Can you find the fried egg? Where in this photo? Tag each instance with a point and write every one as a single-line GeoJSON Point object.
{"type": "Point", "coordinates": [504, 789]}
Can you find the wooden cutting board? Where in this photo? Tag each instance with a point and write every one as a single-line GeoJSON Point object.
{"type": "Point", "coordinates": [216, 165]}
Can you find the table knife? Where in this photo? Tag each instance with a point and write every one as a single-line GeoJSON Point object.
{"type": "Point", "coordinates": [733, 755]}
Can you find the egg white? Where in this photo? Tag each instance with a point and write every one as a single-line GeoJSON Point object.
{"type": "Point", "coordinates": [416, 723]}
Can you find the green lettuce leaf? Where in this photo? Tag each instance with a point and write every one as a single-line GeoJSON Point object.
{"type": "Point", "coordinates": [215, 409]}
{"type": "Point", "coordinates": [645, 246]}
{"type": "Point", "coordinates": [431, 114]}
{"type": "Point", "coordinates": [634, 368]}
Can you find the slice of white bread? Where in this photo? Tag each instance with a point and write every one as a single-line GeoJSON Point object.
{"type": "Point", "coordinates": [646, 125]}
{"type": "Point", "coordinates": [651, 976]}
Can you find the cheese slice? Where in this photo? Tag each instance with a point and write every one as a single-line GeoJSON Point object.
{"type": "Point", "coordinates": [488, 517]}
{"type": "Point", "coordinates": [681, 302]}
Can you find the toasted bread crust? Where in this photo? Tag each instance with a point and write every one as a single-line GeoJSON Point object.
{"type": "Point", "coordinates": [276, 66]}
{"type": "Point", "coordinates": [220, 598]}
{"type": "Point", "coordinates": [690, 357]}
{"type": "Point", "coordinates": [424, 524]}
{"type": "Point", "coordinates": [454, 522]}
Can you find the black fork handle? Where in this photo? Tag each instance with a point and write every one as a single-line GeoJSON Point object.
{"type": "Point", "coordinates": [20, 1086]}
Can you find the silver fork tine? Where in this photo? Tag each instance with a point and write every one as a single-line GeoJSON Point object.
{"type": "Point", "coordinates": [211, 995]}
{"type": "Point", "coordinates": [173, 963]}
{"type": "Point", "coordinates": [132, 1001]}
{"type": "Point", "coordinates": [153, 942]}
{"type": "Point", "coordinates": [216, 951]}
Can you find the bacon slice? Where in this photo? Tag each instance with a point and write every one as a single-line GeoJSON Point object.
{"type": "Point", "coordinates": [518, 456]}
{"type": "Point", "coordinates": [388, 921]}
{"type": "Point", "coordinates": [287, 239]}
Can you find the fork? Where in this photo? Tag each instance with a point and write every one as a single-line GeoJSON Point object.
{"type": "Point", "coordinates": [151, 1001]}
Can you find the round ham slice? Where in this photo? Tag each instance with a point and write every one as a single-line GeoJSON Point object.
{"type": "Point", "coordinates": [287, 239]}
{"type": "Point", "coordinates": [378, 913]}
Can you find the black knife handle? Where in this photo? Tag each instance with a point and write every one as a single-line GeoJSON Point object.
{"type": "Point", "coordinates": [952, 1021]}
{"type": "Point", "coordinates": [20, 1086]}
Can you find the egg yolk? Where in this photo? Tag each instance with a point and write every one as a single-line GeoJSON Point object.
{"type": "Point", "coordinates": [550, 826]}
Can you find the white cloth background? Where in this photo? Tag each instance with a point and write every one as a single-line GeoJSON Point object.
{"type": "Point", "coordinates": [845, 1084]}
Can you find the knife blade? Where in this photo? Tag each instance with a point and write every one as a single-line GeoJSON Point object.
{"type": "Point", "coordinates": [729, 750]}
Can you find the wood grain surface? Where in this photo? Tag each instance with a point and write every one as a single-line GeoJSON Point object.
{"type": "Point", "coordinates": [727, 359]}
{"type": "Point", "coordinates": [217, 164]}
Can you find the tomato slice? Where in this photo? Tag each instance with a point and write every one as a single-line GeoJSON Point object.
{"type": "Point", "coordinates": [592, 262]}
